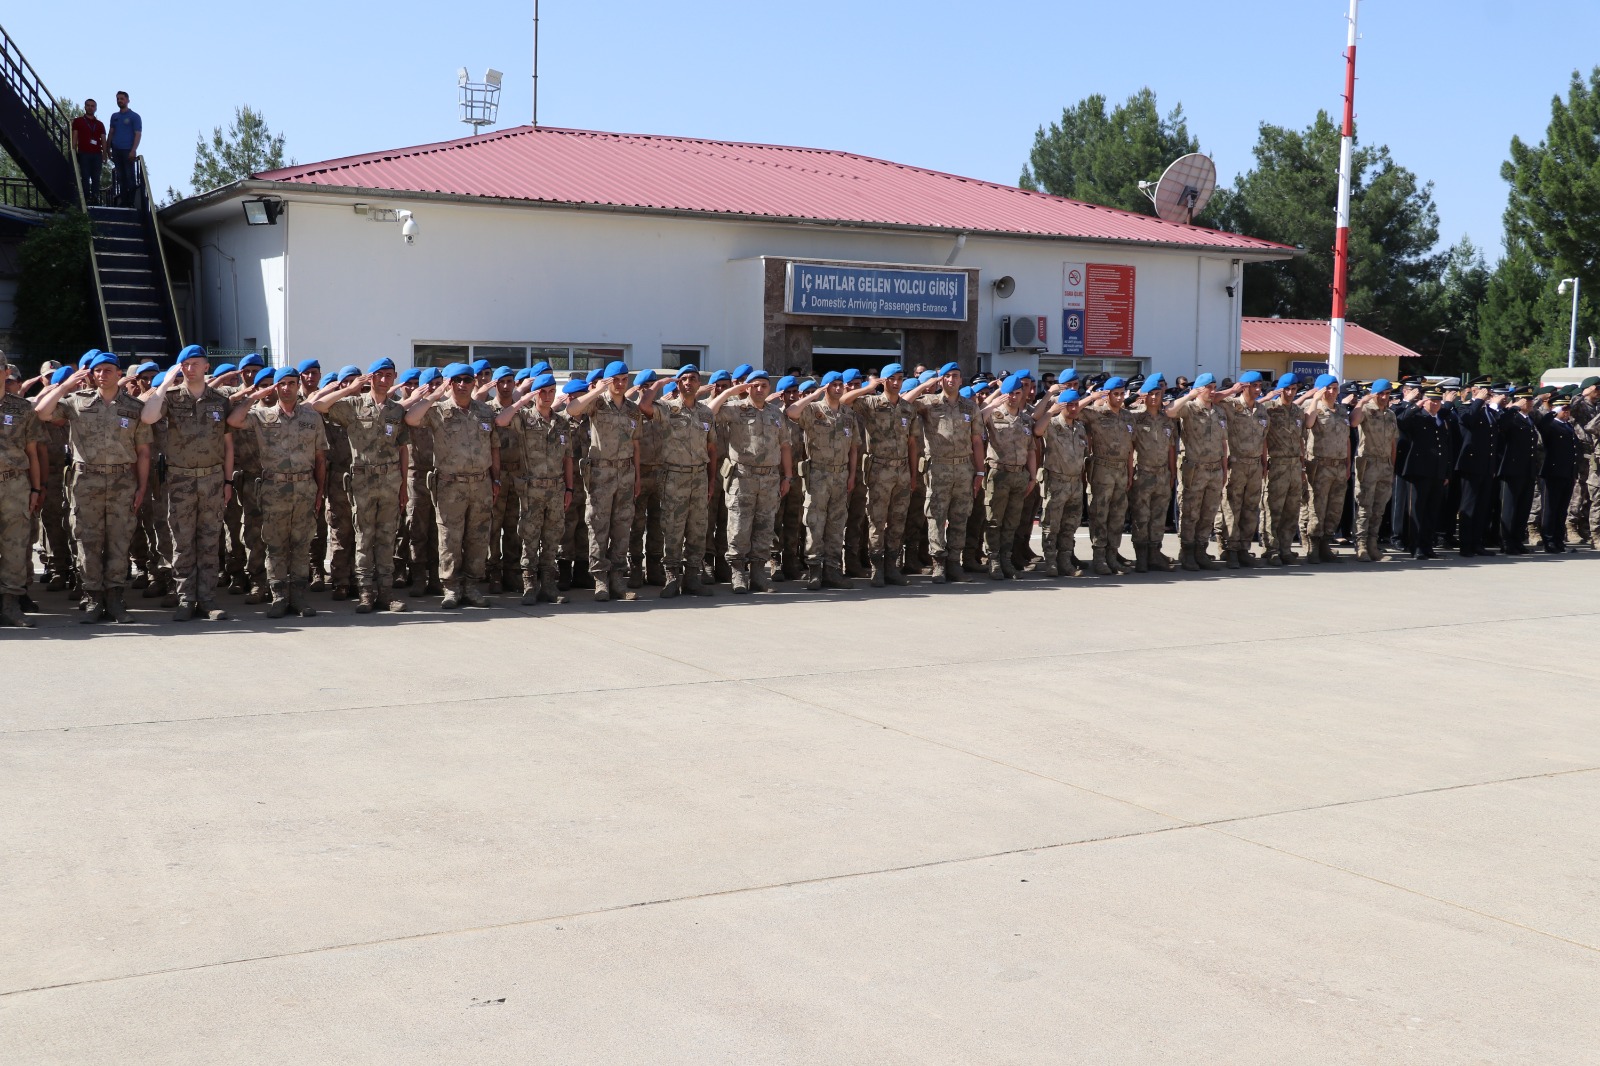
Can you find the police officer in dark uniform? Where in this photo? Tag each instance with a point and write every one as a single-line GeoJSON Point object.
{"type": "Point", "coordinates": [1450, 502]}
{"type": "Point", "coordinates": [1426, 469]}
{"type": "Point", "coordinates": [1400, 502]}
{"type": "Point", "coordinates": [1474, 468]}
{"type": "Point", "coordinates": [1559, 474]}
{"type": "Point", "coordinates": [1516, 445]}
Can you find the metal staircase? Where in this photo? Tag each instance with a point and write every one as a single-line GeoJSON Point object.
{"type": "Point", "coordinates": [134, 290]}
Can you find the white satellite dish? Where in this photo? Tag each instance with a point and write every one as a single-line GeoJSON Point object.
{"type": "Point", "coordinates": [1184, 190]}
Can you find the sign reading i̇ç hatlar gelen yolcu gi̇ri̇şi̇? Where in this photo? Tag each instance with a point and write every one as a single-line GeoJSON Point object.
{"type": "Point", "coordinates": [877, 292]}
{"type": "Point", "coordinates": [1097, 309]}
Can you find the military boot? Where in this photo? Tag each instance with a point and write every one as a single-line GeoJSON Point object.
{"type": "Point", "coordinates": [1186, 559]}
{"type": "Point", "coordinates": [341, 592]}
{"type": "Point", "coordinates": [693, 585]}
{"type": "Point", "coordinates": [620, 586]}
{"type": "Point", "coordinates": [1325, 552]}
{"type": "Point", "coordinates": [1375, 551]}
{"type": "Point", "coordinates": [116, 610]}
{"type": "Point", "coordinates": [877, 571]}
{"type": "Point", "coordinates": [635, 572]}
{"type": "Point", "coordinates": [367, 601]}
{"type": "Point", "coordinates": [1008, 569]}
{"type": "Point", "coordinates": [996, 571]}
{"type": "Point", "coordinates": [452, 599]}
{"type": "Point", "coordinates": [297, 600]}
{"type": "Point", "coordinates": [1202, 557]}
{"type": "Point", "coordinates": [794, 565]}
{"type": "Point", "coordinates": [1114, 558]}
{"type": "Point", "coordinates": [153, 588]}
{"type": "Point", "coordinates": [11, 613]}
{"type": "Point", "coordinates": [722, 569]}
{"type": "Point", "coordinates": [1141, 558]}
{"type": "Point", "coordinates": [1246, 558]}
{"type": "Point", "coordinates": [280, 601]}
{"type": "Point", "coordinates": [492, 583]}
{"type": "Point", "coordinates": [184, 613]}
{"type": "Point", "coordinates": [564, 574]}
{"type": "Point", "coordinates": [602, 589]}
{"type": "Point", "coordinates": [1050, 565]}
{"type": "Point", "coordinates": [435, 586]}
{"type": "Point", "coordinates": [655, 574]}
{"type": "Point", "coordinates": [938, 572]}
{"type": "Point", "coordinates": [740, 579]}
{"type": "Point", "coordinates": [813, 578]}
{"type": "Point", "coordinates": [1230, 558]}
{"type": "Point", "coordinates": [141, 576]}
{"type": "Point", "coordinates": [1067, 565]}
{"type": "Point", "coordinates": [952, 568]}
{"type": "Point", "coordinates": [853, 566]}
{"type": "Point", "coordinates": [419, 582]}
{"type": "Point", "coordinates": [672, 586]}
{"type": "Point", "coordinates": [389, 600]}
{"type": "Point", "coordinates": [93, 607]}
{"type": "Point", "coordinates": [57, 582]}
{"type": "Point", "coordinates": [472, 595]}
{"type": "Point", "coordinates": [834, 579]}
{"type": "Point", "coordinates": [211, 612]}
{"type": "Point", "coordinates": [1101, 567]}
{"type": "Point", "coordinates": [758, 578]}
{"type": "Point", "coordinates": [319, 578]}
{"type": "Point", "coordinates": [891, 572]}
{"type": "Point", "coordinates": [549, 586]}
{"type": "Point", "coordinates": [530, 588]}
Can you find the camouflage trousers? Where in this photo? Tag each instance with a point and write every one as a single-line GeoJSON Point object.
{"type": "Point", "coordinates": [1327, 479]}
{"type": "Point", "coordinates": [788, 528]}
{"type": "Point", "coordinates": [857, 535]}
{"type": "Point", "coordinates": [1201, 485]}
{"type": "Point", "coordinates": [152, 544]}
{"type": "Point", "coordinates": [644, 537]}
{"type": "Point", "coordinates": [1374, 487]}
{"type": "Point", "coordinates": [540, 522]}
{"type": "Point", "coordinates": [16, 529]}
{"type": "Point", "coordinates": [505, 523]}
{"type": "Point", "coordinates": [194, 519]}
{"type": "Point", "coordinates": [685, 511]}
{"type": "Point", "coordinates": [948, 505]}
{"type": "Point", "coordinates": [55, 535]}
{"type": "Point", "coordinates": [1060, 512]}
{"type": "Point", "coordinates": [1003, 493]}
{"type": "Point", "coordinates": [717, 524]}
{"type": "Point", "coordinates": [827, 508]}
{"type": "Point", "coordinates": [609, 515]}
{"type": "Point", "coordinates": [574, 530]}
{"type": "Point", "coordinates": [422, 524]}
{"type": "Point", "coordinates": [103, 522]}
{"type": "Point", "coordinates": [1241, 504]}
{"type": "Point", "coordinates": [1152, 490]}
{"type": "Point", "coordinates": [1281, 492]}
{"type": "Point", "coordinates": [888, 502]}
{"type": "Point", "coordinates": [752, 495]}
{"type": "Point", "coordinates": [1108, 501]}
{"type": "Point", "coordinates": [916, 531]}
{"type": "Point", "coordinates": [288, 525]}
{"type": "Point", "coordinates": [464, 504]}
{"type": "Point", "coordinates": [375, 513]}
{"type": "Point", "coordinates": [253, 557]}
{"type": "Point", "coordinates": [339, 519]}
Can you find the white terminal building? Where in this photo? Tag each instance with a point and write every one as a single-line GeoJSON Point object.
{"type": "Point", "coordinates": [578, 247]}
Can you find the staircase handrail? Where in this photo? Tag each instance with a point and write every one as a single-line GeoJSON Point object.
{"type": "Point", "coordinates": [154, 223]}
{"type": "Point", "coordinates": [19, 73]}
{"type": "Point", "coordinates": [94, 260]}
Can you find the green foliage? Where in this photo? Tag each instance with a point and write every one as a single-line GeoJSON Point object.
{"type": "Point", "coordinates": [1100, 158]}
{"type": "Point", "coordinates": [247, 148]}
{"type": "Point", "coordinates": [68, 110]}
{"type": "Point", "coordinates": [1290, 197]}
{"type": "Point", "coordinates": [57, 314]}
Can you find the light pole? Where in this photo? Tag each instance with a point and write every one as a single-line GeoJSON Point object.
{"type": "Point", "coordinates": [1572, 342]}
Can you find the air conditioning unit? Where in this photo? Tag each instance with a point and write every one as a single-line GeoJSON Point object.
{"type": "Point", "coordinates": [1024, 332]}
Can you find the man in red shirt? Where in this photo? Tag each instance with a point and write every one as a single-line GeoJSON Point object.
{"type": "Point", "coordinates": [88, 146]}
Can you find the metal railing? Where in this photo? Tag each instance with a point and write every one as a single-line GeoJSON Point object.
{"type": "Point", "coordinates": [20, 192]}
{"type": "Point", "coordinates": [153, 227]}
{"type": "Point", "coordinates": [21, 76]}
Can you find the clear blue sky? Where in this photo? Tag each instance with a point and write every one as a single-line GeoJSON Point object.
{"type": "Point", "coordinates": [959, 87]}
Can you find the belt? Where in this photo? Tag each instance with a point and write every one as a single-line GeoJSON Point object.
{"type": "Point", "coordinates": [820, 468]}
{"type": "Point", "coordinates": [102, 466]}
{"type": "Point", "coordinates": [463, 477]}
{"type": "Point", "coordinates": [373, 468]}
{"type": "Point", "coordinates": [194, 471]}
{"type": "Point", "coordinates": [963, 461]}
{"type": "Point", "coordinates": [1243, 459]}
{"type": "Point", "coordinates": [540, 482]}
{"type": "Point", "coordinates": [285, 478]}
{"type": "Point", "coordinates": [746, 468]}
{"type": "Point", "coordinates": [889, 459]}
{"type": "Point", "coordinates": [1008, 466]}
{"type": "Point", "coordinates": [611, 462]}
{"type": "Point", "coordinates": [682, 468]}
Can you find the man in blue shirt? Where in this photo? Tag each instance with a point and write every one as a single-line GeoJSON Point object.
{"type": "Point", "coordinates": [126, 131]}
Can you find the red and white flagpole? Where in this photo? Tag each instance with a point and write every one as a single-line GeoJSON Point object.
{"type": "Point", "coordinates": [1341, 245]}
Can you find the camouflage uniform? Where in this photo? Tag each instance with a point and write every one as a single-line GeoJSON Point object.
{"type": "Point", "coordinates": [575, 531]}
{"type": "Point", "coordinates": [1583, 514]}
{"type": "Point", "coordinates": [1283, 487]}
{"type": "Point", "coordinates": [1110, 441]}
{"type": "Point", "coordinates": [1153, 439]}
{"type": "Point", "coordinates": [1066, 455]}
{"type": "Point", "coordinates": [947, 429]}
{"type": "Point", "coordinates": [246, 555]}
{"type": "Point", "coordinates": [789, 522]}
{"type": "Point", "coordinates": [105, 438]}
{"type": "Point", "coordinates": [644, 538]}
{"type": "Point", "coordinates": [19, 430]}
{"type": "Point", "coordinates": [1241, 500]}
{"type": "Point", "coordinates": [465, 446]}
{"type": "Point", "coordinates": [505, 544]}
{"type": "Point", "coordinates": [685, 490]}
{"type": "Point", "coordinates": [1591, 437]}
{"type": "Point", "coordinates": [287, 445]}
{"type": "Point", "coordinates": [376, 433]}
{"type": "Point", "coordinates": [1204, 441]}
{"type": "Point", "coordinates": [1378, 432]}
{"type": "Point", "coordinates": [55, 455]}
{"type": "Point", "coordinates": [1327, 472]}
{"type": "Point", "coordinates": [538, 448]}
{"type": "Point", "coordinates": [1010, 443]}
{"type": "Point", "coordinates": [196, 431]}
{"type": "Point", "coordinates": [751, 475]}
{"type": "Point", "coordinates": [886, 429]}
{"type": "Point", "coordinates": [830, 435]}
{"type": "Point", "coordinates": [421, 519]}
{"type": "Point", "coordinates": [609, 475]}
{"type": "Point", "coordinates": [338, 517]}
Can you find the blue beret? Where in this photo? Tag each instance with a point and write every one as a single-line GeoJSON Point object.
{"type": "Point", "coordinates": [1324, 380]}
{"type": "Point", "coordinates": [428, 375]}
{"type": "Point", "coordinates": [252, 360]}
{"type": "Point", "coordinates": [463, 370]}
{"type": "Point", "coordinates": [1151, 384]}
{"type": "Point", "coordinates": [225, 368]}
{"type": "Point", "coordinates": [1250, 377]}
{"type": "Point", "coordinates": [1157, 376]}
{"type": "Point", "coordinates": [785, 383]}
{"type": "Point", "coordinates": [574, 387]}
{"type": "Point", "coordinates": [60, 374]}
{"type": "Point", "coordinates": [850, 376]}
{"type": "Point", "coordinates": [146, 368]}
{"type": "Point", "coordinates": [1381, 385]}
{"type": "Point", "coordinates": [1067, 396]}
{"type": "Point", "coordinates": [830, 377]}
{"type": "Point", "coordinates": [305, 366]}
{"type": "Point", "coordinates": [1068, 375]}
{"type": "Point", "coordinates": [541, 367]}
{"type": "Point", "coordinates": [478, 366]}
{"type": "Point", "coordinates": [543, 381]}
{"type": "Point", "coordinates": [103, 359]}
{"type": "Point", "coordinates": [686, 368]}
{"type": "Point", "coordinates": [524, 374]}
{"type": "Point", "coordinates": [1208, 378]}
{"type": "Point", "coordinates": [593, 376]}
{"type": "Point", "coordinates": [501, 372]}
{"type": "Point", "coordinates": [643, 378]}
{"type": "Point", "coordinates": [284, 373]}
{"type": "Point", "coordinates": [1009, 385]}
{"type": "Point", "coordinates": [327, 379]}
{"type": "Point", "coordinates": [192, 351]}
{"type": "Point", "coordinates": [266, 375]}
{"type": "Point", "coordinates": [159, 378]}
{"type": "Point", "coordinates": [1113, 383]}
{"type": "Point", "coordinates": [1023, 374]}
{"type": "Point", "coordinates": [717, 376]}
{"type": "Point", "coordinates": [669, 388]}
{"type": "Point", "coordinates": [947, 368]}
{"type": "Point", "coordinates": [966, 391]}
{"type": "Point", "coordinates": [380, 364]}
{"type": "Point", "coordinates": [1287, 380]}
{"type": "Point", "coordinates": [891, 370]}
{"type": "Point", "coordinates": [88, 357]}
{"type": "Point", "coordinates": [806, 386]}
{"type": "Point", "coordinates": [410, 376]}
{"type": "Point", "coordinates": [926, 376]}
{"type": "Point", "coordinates": [615, 369]}
{"type": "Point", "coordinates": [348, 371]}
{"type": "Point", "coordinates": [741, 371]}
{"type": "Point", "coordinates": [758, 374]}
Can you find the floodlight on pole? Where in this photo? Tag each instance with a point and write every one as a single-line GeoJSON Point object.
{"type": "Point", "coordinates": [479, 100]}
{"type": "Point", "coordinates": [1572, 341]}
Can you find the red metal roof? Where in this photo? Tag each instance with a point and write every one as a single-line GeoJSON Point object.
{"type": "Point", "coordinates": [1309, 336]}
{"type": "Point", "coordinates": [584, 167]}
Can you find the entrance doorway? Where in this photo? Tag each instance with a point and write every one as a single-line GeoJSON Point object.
{"type": "Point", "coordinates": [864, 348]}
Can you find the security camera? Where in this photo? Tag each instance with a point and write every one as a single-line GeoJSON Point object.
{"type": "Point", "coordinates": [1229, 290]}
{"type": "Point", "coordinates": [408, 226]}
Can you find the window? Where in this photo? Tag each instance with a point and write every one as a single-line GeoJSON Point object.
{"type": "Point", "coordinates": [515, 357]}
{"type": "Point", "coordinates": [674, 357]}
{"type": "Point", "coordinates": [425, 355]}
{"type": "Point", "coordinates": [867, 342]}
{"type": "Point", "coordinates": [1055, 364]}
{"type": "Point", "coordinates": [561, 357]}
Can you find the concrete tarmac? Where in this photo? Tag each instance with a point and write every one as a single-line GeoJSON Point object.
{"type": "Point", "coordinates": [1331, 814]}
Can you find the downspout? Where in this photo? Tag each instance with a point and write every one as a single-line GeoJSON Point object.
{"type": "Point", "coordinates": [961, 242]}
{"type": "Point", "coordinates": [196, 315]}
{"type": "Point", "coordinates": [1236, 283]}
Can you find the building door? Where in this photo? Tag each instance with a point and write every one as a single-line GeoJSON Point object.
{"type": "Point", "coordinates": [864, 348]}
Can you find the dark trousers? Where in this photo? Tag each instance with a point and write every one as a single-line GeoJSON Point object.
{"type": "Point", "coordinates": [1400, 505]}
{"type": "Point", "coordinates": [89, 176]}
{"type": "Point", "coordinates": [1423, 518]}
{"type": "Point", "coordinates": [122, 171]}
{"type": "Point", "coordinates": [1553, 518]}
{"type": "Point", "coordinates": [1516, 500]}
{"type": "Point", "coordinates": [1475, 494]}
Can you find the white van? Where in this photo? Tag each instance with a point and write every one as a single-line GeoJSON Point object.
{"type": "Point", "coordinates": [1562, 375]}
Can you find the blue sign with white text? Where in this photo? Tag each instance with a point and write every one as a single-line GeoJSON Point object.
{"type": "Point", "coordinates": [877, 292]}
{"type": "Point", "coordinates": [1072, 331]}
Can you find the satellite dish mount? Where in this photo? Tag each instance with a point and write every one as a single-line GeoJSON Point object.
{"type": "Point", "coordinates": [479, 100]}
{"type": "Point", "coordinates": [1184, 190]}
